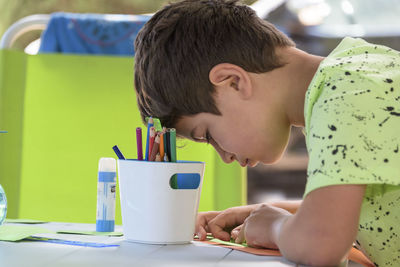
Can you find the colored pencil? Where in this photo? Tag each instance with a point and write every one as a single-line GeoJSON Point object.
{"type": "Point", "coordinates": [118, 152]}
{"type": "Point", "coordinates": [168, 145]}
{"type": "Point", "coordinates": [150, 123]}
{"type": "Point", "coordinates": [172, 145]}
{"type": "Point", "coordinates": [161, 149]}
{"type": "Point", "coordinates": [155, 147]}
{"type": "Point", "coordinates": [151, 141]}
{"type": "Point", "coordinates": [139, 145]}
{"type": "Point", "coordinates": [172, 137]}
{"type": "Point", "coordinates": [165, 139]}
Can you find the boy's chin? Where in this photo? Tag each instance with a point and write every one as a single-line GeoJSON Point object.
{"type": "Point", "coordinates": [252, 164]}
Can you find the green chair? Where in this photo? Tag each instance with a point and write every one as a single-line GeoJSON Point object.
{"type": "Point", "coordinates": [63, 113]}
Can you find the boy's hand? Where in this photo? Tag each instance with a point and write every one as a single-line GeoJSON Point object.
{"type": "Point", "coordinates": [262, 227]}
{"type": "Point", "coordinates": [203, 218]}
{"type": "Point", "coordinates": [221, 223]}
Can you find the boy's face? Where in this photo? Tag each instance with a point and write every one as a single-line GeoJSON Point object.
{"type": "Point", "coordinates": [249, 130]}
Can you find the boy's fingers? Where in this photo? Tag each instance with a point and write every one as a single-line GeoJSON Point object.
{"type": "Point", "coordinates": [199, 230]}
{"type": "Point", "coordinates": [202, 234]}
{"type": "Point", "coordinates": [240, 237]}
{"type": "Point", "coordinates": [227, 219]}
{"type": "Point", "coordinates": [221, 234]}
{"type": "Point", "coordinates": [235, 232]}
{"type": "Point", "coordinates": [218, 231]}
{"type": "Point", "coordinates": [202, 221]}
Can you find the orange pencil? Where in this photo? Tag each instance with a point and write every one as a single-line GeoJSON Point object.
{"type": "Point", "coordinates": [154, 151]}
{"type": "Point", "coordinates": [161, 149]}
{"type": "Point", "coordinates": [151, 140]}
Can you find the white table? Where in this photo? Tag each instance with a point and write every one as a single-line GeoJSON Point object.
{"type": "Point", "coordinates": [35, 254]}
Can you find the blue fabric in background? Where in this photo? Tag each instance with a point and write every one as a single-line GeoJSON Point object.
{"type": "Point", "coordinates": [106, 34]}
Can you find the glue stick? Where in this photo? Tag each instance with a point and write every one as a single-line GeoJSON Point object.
{"type": "Point", "coordinates": [106, 185]}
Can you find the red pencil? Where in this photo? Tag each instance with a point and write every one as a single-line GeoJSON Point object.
{"type": "Point", "coordinates": [156, 146]}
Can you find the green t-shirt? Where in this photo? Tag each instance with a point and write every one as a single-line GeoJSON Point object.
{"type": "Point", "coordinates": [352, 127]}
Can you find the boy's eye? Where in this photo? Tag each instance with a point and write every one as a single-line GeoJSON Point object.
{"type": "Point", "coordinates": [205, 139]}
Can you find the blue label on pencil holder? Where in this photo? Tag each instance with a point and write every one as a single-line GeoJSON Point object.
{"type": "Point", "coordinates": [185, 181]}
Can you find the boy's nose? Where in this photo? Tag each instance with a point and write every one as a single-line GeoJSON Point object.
{"type": "Point", "coordinates": [227, 157]}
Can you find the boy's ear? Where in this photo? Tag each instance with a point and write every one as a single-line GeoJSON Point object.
{"type": "Point", "coordinates": [227, 75]}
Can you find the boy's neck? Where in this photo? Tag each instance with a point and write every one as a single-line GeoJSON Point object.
{"type": "Point", "coordinates": [295, 78]}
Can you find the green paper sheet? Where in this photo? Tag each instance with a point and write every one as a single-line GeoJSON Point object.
{"type": "Point", "coordinates": [227, 243]}
{"type": "Point", "coordinates": [19, 232]}
{"type": "Point", "coordinates": [25, 221]}
{"type": "Point", "coordinates": [90, 233]}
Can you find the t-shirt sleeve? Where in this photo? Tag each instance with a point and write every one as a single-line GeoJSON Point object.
{"type": "Point", "coordinates": [353, 135]}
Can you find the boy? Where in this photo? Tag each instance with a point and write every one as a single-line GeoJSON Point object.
{"type": "Point", "coordinates": [219, 74]}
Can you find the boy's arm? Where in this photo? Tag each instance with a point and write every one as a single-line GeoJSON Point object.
{"type": "Point", "coordinates": [290, 205]}
{"type": "Point", "coordinates": [324, 227]}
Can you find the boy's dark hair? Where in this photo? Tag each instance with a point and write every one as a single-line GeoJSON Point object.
{"type": "Point", "coordinates": [181, 43]}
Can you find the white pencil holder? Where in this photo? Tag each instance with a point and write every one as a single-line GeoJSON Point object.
{"type": "Point", "coordinates": [152, 211]}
